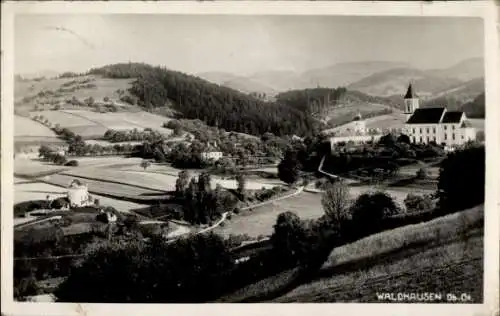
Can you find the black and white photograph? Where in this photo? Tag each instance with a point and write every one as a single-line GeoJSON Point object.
{"type": "Point", "coordinates": [254, 158]}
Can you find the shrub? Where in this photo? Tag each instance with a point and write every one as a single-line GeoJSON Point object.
{"type": "Point", "coordinates": [72, 163]}
{"type": "Point", "coordinates": [369, 211]}
{"type": "Point", "coordinates": [422, 173]}
{"type": "Point", "coordinates": [416, 203]}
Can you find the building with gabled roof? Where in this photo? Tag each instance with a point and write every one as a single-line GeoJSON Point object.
{"type": "Point", "coordinates": [436, 124]}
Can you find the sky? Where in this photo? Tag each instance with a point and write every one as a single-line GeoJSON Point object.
{"type": "Point", "coordinates": [240, 44]}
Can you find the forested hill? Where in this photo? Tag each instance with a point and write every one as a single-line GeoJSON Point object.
{"type": "Point", "coordinates": [216, 105]}
{"type": "Point", "coordinates": [315, 100]}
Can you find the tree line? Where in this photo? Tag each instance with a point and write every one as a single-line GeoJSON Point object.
{"type": "Point", "coordinates": [216, 105]}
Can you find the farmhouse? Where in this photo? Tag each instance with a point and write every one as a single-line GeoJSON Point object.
{"type": "Point", "coordinates": [438, 125]}
{"type": "Point", "coordinates": [78, 194]}
{"type": "Point", "coordinates": [211, 152]}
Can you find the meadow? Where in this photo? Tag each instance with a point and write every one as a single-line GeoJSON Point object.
{"type": "Point", "coordinates": [104, 87]}
{"type": "Point", "coordinates": [29, 191]}
{"type": "Point", "coordinates": [26, 127]}
{"type": "Point", "coordinates": [443, 254]}
{"type": "Point", "coordinates": [260, 220]}
{"type": "Point", "coordinates": [90, 124]}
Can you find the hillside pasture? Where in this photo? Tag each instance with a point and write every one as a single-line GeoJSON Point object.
{"type": "Point", "coordinates": [63, 88]}
{"type": "Point", "coordinates": [93, 125]}
{"type": "Point", "coordinates": [394, 120]}
{"type": "Point", "coordinates": [26, 127]}
{"type": "Point", "coordinates": [35, 167]}
{"type": "Point", "coordinates": [125, 120]}
{"type": "Point", "coordinates": [154, 181]}
{"type": "Point", "coordinates": [444, 255]}
{"type": "Point", "coordinates": [103, 188]}
{"type": "Point", "coordinates": [478, 124]}
{"type": "Point", "coordinates": [30, 191]}
{"type": "Point", "coordinates": [344, 113]}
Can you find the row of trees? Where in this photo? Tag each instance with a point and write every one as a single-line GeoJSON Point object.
{"type": "Point", "coordinates": [118, 136]}
{"type": "Point", "coordinates": [202, 204]}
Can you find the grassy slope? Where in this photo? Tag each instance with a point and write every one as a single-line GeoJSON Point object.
{"type": "Point", "coordinates": [444, 254]}
{"type": "Point", "coordinates": [104, 88]}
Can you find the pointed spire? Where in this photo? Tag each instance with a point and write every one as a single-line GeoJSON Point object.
{"type": "Point", "coordinates": [410, 94]}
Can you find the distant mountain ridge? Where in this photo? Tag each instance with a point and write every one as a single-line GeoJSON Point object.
{"type": "Point", "coordinates": [377, 78]}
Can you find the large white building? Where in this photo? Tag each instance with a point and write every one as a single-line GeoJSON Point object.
{"type": "Point", "coordinates": [437, 124]}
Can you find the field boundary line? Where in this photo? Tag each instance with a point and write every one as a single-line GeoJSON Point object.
{"type": "Point", "coordinates": [112, 181]}
{"type": "Point", "coordinates": [83, 117]}
{"type": "Point", "coordinates": [297, 191]}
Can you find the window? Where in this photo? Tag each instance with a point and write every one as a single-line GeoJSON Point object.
{"type": "Point", "coordinates": [462, 136]}
{"type": "Point", "coordinates": [427, 139]}
{"type": "Point", "coordinates": [434, 139]}
{"type": "Point", "coordinates": [445, 136]}
{"type": "Point", "coordinates": [453, 136]}
{"type": "Point", "coordinates": [434, 131]}
{"type": "Point", "coordinates": [421, 139]}
{"type": "Point", "coordinates": [453, 126]}
{"type": "Point", "coordinates": [427, 130]}
{"type": "Point", "coordinates": [413, 130]}
{"type": "Point", "coordinates": [421, 130]}
{"type": "Point", "coordinates": [445, 127]}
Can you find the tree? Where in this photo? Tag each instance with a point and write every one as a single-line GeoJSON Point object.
{"type": "Point", "coordinates": [369, 210]}
{"type": "Point", "coordinates": [289, 238]}
{"type": "Point", "coordinates": [417, 203]}
{"type": "Point", "coordinates": [388, 140]}
{"type": "Point", "coordinates": [189, 270]}
{"type": "Point", "coordinates": [288, 168]}
{"type": "Point", "coordinates": [403, 138]}
{"type": "Point", "coordinates": [462, 179]}
{"type": "Point", "coordinates": [422, 173]}
{"type": "Point", "coordinates": [182, 182]}
{"type": "Point", "coordinates": [240, 179]}
{"type": "Point", "coordinates": [145, 164]}
{"type": "Point", "coordinates": [44, 152]}
{"type": "Point", "coordinates": [335, 201]}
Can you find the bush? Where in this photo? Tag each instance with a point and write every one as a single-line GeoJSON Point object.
{"type": "Point", "coordinates": [422, 173]}
{"type": "Point", "coordinates": [416, 203]}
{"type": "Point", "coordinates": [72, 163]}
{"type": "Point", "coordinates": [369, 211]}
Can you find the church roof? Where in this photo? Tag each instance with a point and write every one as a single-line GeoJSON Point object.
{"type": "Point", "coordinates": [410, 94]}
{"type": "Point", "coordinates": [452, 117]}
{"type": "Point", "coordinates": [426, 116]}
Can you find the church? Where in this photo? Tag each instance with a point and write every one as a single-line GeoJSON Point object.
{"type": "Point", "coordinates": [437, 124]}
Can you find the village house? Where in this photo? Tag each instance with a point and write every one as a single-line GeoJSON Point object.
{"type": "Point", "coordinates": [78, 194]}
{"type": "Point", "coordinates": [437, 124]}
{"type": "Point", "coordinates": [211, 152]}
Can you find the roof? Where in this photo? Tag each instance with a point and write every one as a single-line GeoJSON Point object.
{"type": "Point", "coordinates": [410, 94]}
{"type": "Point", "coordinates": [426, 116]}
{"type": "Point", "coordinates": [452, 117]}
{"type": "Point", "coordinates": [466, 124]}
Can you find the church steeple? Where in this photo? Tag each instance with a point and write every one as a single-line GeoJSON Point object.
{"type": "Point", "coordinates": [411, 101]}
{"type": "Point", "coordinates": [410, 94]}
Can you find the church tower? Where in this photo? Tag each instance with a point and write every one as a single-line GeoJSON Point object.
{"type": "Point", "coordinates": [411, 102]}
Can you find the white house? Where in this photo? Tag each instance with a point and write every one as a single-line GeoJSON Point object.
{"type": "Point", "coordinates": [78, 194]}
{"type": "Point", "coordinates": [437, 124]}
{"type": "Point", "coordinates": [211, 152]}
